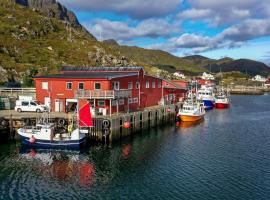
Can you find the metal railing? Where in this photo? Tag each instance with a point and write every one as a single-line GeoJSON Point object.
{"type": "Point", "coordinates": [18, 90]}
{"type": "Point", "coordinates": [102, 94]}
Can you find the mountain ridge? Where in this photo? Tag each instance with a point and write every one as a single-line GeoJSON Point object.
{"type": "Point", "coordinates": [37, 37]}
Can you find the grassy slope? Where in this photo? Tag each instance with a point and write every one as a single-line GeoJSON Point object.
{"type": "Point", "coordinates": [26, 36]}
{"type": "Point", "coordinates": [160, 59]}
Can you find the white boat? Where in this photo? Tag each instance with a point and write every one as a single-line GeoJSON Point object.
{"type": "Point", "coordinates": [45, 134]}
{"type": "Point", "coordinates": [206, 95]}
{"type": "Point", "coordinates": [222, 100]}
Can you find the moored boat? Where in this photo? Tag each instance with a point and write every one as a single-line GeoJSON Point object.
{"type": "Point", "coordinates": [191, 112]}
{"type": "Point", "coordinates": [222, 101]}
{"type": "Point", "coordinates": [46, 135]}
{"type": "Point", "coordinates": [207, 96]}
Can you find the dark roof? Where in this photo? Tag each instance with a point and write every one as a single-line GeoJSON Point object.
{"type": "Point", "coordinates": [91, 69]}
{"type": "Point", "coordinates": [107, 75]}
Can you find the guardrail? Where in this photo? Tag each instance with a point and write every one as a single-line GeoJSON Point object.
{"type": "Point", "coordinates": [103, 94]}
{"type": "Point", "coordinates": [17, 90]}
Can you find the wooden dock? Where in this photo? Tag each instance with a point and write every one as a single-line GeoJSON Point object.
{"type": "Point", "coordinates": [107, 129]}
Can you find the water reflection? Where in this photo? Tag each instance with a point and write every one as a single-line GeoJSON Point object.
{"type": "Point", "coordinates": [60, 165]}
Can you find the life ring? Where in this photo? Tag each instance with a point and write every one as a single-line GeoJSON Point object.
{"type": "Point", "coordinates": [106, 123]}
{"type": "Point", "coordinates": [61, 122]}
{"type": "Point", "coordinates": [4, 122]}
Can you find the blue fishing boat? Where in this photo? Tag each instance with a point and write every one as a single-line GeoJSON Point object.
{"type": "Point", "coordinates": [46, 135]}
{"type": "Point", "coordinates": [206, 95]}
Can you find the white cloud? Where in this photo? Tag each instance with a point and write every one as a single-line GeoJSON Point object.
{"type": "Point", "coordinates": [194, 13]}
{"type": "Point", "coordinates": [152, 28]}
{"type": "Point", "coordinates": [135, 8]}
{"type": "Point", "coordinates": [249, 29]}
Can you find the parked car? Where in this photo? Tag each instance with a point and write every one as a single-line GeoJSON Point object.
{"type": "Point", "coordinates": [30, 106]}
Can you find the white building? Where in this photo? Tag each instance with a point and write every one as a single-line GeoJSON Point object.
{"type": "Point", "coordinates": [206, 76]}
{"type": "Point", "coordinates": [179, 75]}
{"type": "Point", "coordinates": [258, 78]}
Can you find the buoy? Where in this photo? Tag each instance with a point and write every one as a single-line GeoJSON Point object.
{"type": "Point", "coordinates": [32, 140]}
{"type": "Point", "coordinates": [126, 124]}
{"type": "Point", "coordinates": [32, 153]}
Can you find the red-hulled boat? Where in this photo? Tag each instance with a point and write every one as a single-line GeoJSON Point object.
{"type": "Point", "coordinates": [222, 101]}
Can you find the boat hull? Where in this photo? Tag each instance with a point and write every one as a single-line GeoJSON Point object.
{"type": "Point", "coordinates": [48, 144]}
{"type": "Point", "coordinates": [222, 105]}
{"type": "Point", "coordinates": [189, 118]}
{"type": "Point", "coordinates": [208, 104]}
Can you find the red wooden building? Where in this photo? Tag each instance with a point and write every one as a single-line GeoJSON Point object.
{"type": "Point", "coordinates": [109, 89]}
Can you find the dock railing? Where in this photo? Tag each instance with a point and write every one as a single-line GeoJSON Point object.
{"type": "Point", "coordinates": [102, 94]}
{"type": "Point", "coordinates": [12, 91]}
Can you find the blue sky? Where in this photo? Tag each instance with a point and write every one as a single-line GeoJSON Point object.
{"type": "Point", "coordinates": [212, 28]}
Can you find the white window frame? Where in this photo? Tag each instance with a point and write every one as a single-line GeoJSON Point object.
{"type": "Point", "coordinates": [159, 84]}
{"type": "Point", "coordinates": [45, 85]}
{"type": "Point", "coordinates": [130, 100]}
{"type": "Point", "coordinates": [79, 85]}
{"type": "Point", "coordinates": [153, 84]}
{"type": "Point", "coordinates": [137, 85]}
{"type": "Point", "coordinates": [130, 85]}
{"type": "Point", "coordinates": [98, 103]}
{"type": "Point", "coordinates": [147, 85]}
{"type": "Point", "coordinates": [67, 85]}
{"type": "Point", "coordinates": [135, 100]}
{"type": "Point", "coordinates": [114, 84]}
{"type": "Point", "coordinates": [95, 85]}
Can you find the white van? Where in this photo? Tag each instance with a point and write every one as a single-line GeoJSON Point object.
{"type": "Point", "coordinates": [29, 106]}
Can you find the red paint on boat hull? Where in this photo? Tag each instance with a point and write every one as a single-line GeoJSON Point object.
{"type": "Point", "coordinates": [222, 105]}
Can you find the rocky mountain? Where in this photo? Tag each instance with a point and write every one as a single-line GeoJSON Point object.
{"type": "Point", "coordinates": [51, 9]}
{"type": "Point", "coordinates": [39, 36]}
{"type": "Point", "coordinates": [31, 40]}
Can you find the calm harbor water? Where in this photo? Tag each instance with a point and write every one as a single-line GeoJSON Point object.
{"type": "Point", "coordinates": [227, 156]}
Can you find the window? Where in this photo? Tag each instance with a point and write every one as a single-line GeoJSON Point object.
{"type": "Point", "coordinates": [153, 84]}
{"type": "Point", "coordinates": [69, 86]}
{"type": "Point", "coordinates": [81, 86]}
{"type": "Point", "coordinates": [114, 102]}
{"type": "Point", "coordinates": [137, 85]}
{"type": "Point", "coordinates": [97, 86]}
{"type": "Point", "coordinates": [116, 85]}
{"type": "Point", "coordinates": [25, 103]}
{"type": "Point", "coordinates": [44, 85]}
{"type": "Point", "coordinates": [33, 104]}
{"type": "Point", "coordinates": [147, 85]}
{"type": "Point", "coordinates": [130, 100]}
{"type": "Point", "coordinates": [135, 100]}
{"type": "Point", "coordinates": [101, 103]}
{"type": "Point", "coordinates": [159, 84]}
{"type": "Point", "coordinates": [121, 102]}
{"type": "Point", "coordinates": [130, 85]}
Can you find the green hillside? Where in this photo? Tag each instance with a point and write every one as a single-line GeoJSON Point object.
{"type": "Point", "coordinates": [40, 37]}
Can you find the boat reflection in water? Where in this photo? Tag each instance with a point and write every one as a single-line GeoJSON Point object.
{"type": "Point", "coordinates": [60, 165]}
{"type": "Point", "coordinates": [189, 124]}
